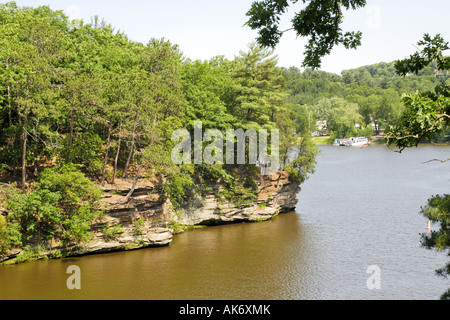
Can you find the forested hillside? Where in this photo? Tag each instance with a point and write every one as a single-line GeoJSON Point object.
{"type": "Point", "coordinates": [369, 97]}
{"type": "Point", "coordinates": [82, 106]}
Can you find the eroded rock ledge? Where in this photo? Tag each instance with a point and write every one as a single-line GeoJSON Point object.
{"type": "Point", "coordinates": [277, 195]}
{"type": "Point", "coordinates": [146, 220]}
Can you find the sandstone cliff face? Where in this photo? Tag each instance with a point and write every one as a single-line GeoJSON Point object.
{"type": "Point", "coordinates": [275, 196]}
{"type": "Point", "coordinates": [141, 222]}
{"type": "Point", "coordinates": [145, 220]}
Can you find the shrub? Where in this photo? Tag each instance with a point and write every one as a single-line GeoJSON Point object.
{"type": "Point", "coordinates": [62, 206]}
{"type": "Point", "coordinates": [10, 235]}
{"type": "Point", "coordinates": [179, 187]}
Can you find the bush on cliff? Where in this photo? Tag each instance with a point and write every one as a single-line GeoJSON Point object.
{"type": "Point", "coordinates": [61, 207]}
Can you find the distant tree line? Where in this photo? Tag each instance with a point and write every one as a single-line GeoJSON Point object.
{"type": "Point", "coordinates": [361, 101]}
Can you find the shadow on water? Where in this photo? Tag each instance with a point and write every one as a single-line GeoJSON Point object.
{"type": "Point", "coordinates": [240, 261]}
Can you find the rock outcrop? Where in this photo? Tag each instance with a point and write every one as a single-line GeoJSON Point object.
{"type": "Point", "coordinates": [276, 195]}
{"type": "Point", "coordinates": [146, 220]}
{"type": "Point", "coordinates": [141, 222]}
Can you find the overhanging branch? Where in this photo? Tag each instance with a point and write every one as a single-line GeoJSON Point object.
{"type": "Point", "coordinates": [437, 160]}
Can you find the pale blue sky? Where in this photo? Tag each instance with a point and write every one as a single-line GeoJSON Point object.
{"type": "Point", "coordinates": [206, 28]}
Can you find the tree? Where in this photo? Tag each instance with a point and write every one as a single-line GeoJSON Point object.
{"type": "Point", "coordinates": [320, 20]}
{"type": "Point", "coordinates": [34, 38]}
{"type": "Point", "coordinates": [427, 114]}
{"type": "Point", "coordinates": [344, 120]}
{"type": "Point", "coordinates": [323, 110]}
{"type": "Point", "coordinates": [303, 118]}
{"type": "Point", "coordinates": [380, 107]}
{"type": "Point", "coordinates": [205, 86]}
{"type": "Point", "coordinates": [297, 150]}
{"type": "Point", "coordinates": [62, 206]}
{"type": "Point", "coordinates": [258, 89]}
{"type": "Point", "coordinates": [303, 159]}
{"type": "Point", "coordinates": [431, 51]}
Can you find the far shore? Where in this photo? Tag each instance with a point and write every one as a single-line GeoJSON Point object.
{"type": "Point", "coordinates": [325, 140]}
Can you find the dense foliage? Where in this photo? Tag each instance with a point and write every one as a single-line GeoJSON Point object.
{"type": "Point", "coordinates": [81, 106]}
{"type": "Point", "coordinates": [368, 97]}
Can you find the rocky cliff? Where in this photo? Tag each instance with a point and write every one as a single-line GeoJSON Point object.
{"type": "Point", "coordinates": [277, 194]}
{"type": "Point", "coordinates": [147, 221]}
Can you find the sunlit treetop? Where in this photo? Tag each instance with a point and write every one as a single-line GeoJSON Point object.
{"type": "Point", "coordinates": [320, 20]}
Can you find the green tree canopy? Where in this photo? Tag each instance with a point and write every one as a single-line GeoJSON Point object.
{"type": "Point", "coordinates": [320, 20]}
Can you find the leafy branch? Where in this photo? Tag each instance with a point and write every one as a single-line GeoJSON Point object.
{"type": "Point", "coordinates": [320, 20]}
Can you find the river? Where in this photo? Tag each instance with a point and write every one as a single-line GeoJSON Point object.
{"type": "Point", "coordinates": [361, 208]}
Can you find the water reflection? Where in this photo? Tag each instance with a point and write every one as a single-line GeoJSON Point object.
{"type": "Point", "coordinates": [248, 261]}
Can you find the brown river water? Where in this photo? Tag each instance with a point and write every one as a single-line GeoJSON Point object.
{"type": "Point", "coordinates": [360, 209]}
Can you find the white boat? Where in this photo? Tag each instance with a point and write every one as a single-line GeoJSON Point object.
{"type": "Point", "coordinates": [359, 142]}
{"type": "Point", "coordinates": [351, 142]}
{"type": "Point", "coordinates": [341, 142]}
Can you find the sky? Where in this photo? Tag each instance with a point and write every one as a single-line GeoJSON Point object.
{"type": "Point", "coordinates": [207, 28]}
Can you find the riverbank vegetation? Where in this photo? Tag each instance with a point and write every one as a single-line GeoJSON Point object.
{"type": "Point", "coordinates": [82, 106]}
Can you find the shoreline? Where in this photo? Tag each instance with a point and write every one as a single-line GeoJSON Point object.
{"type": "Point", "coordinates": [146, 222]}
{"type": "Point", "coordinates": [375, 140]}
